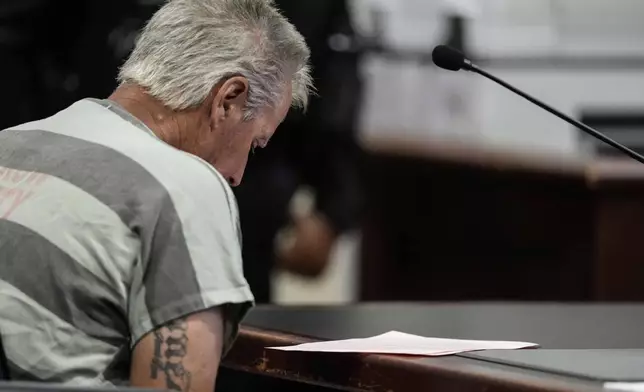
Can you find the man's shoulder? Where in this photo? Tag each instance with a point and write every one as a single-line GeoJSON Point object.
{"type": "Point", "coordinates": [190, 179]}
{"type": "Point", "coordinates": [106, 153]}
{"type": "Point", "coordinates": [191, 182]}
{"type": "Point", "coordinates": [93, 122]}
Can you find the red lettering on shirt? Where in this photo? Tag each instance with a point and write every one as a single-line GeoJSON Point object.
{"type": "Point", "coordinates": [12, 198]}
{"type": "Point", "coordinates": [16, 187]}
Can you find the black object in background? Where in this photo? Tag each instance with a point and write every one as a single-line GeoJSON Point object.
{"type": "Point", "coordinates": [457, 33]}
{"type": "Point", "coordinates": [625, 126]}
{"type": "Point", "coordinates": [109, 31]}
{"type": "Point", "coordinates": [35, 38]}
{"type": "Point", "coordinates": [56, 52]}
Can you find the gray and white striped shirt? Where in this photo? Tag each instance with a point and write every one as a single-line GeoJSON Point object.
{"type": "Point", "coordinates": [106, 232]}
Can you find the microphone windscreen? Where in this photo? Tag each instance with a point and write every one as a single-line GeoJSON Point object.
{"type": "Point", "coordinates": [448, 58]}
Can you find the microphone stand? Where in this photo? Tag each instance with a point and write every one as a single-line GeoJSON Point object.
{"type": "Point", "coordinates": [473, 68]}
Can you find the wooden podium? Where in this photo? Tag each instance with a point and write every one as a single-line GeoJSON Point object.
{"type": "Point", "coordinates": [450, 222]}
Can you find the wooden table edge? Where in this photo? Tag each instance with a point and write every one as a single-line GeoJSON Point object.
{"type": "Point", "coordinates": [375, 372]}
{"type": "Point", "coordinates": [606, 173]}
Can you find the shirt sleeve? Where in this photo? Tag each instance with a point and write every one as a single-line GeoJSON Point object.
{"type": "Point", "coordinates": [190, 256]}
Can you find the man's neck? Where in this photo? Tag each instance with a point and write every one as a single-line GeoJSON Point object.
{"type": "Point", "coordinates": [170, 126]}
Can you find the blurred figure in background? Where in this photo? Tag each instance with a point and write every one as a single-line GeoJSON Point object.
{"type": "Point", "coordinates": [317, 149]}
{"type": "Point", "coordinates": [55, 53]}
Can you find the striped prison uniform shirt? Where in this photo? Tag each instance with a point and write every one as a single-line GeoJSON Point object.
{"type": "Point", "coordinates": [106, 233]}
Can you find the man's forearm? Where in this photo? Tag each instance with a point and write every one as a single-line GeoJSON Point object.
{"type": "Point", "coordinates": [170, 350]}
{"type": "Point", "coordinates": [183, 355]}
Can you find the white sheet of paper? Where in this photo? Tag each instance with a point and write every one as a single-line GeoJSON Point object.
{"type": "Point", "coordinates": [625, 386]}
{"type": "Point", "coordinates": [395, 342]}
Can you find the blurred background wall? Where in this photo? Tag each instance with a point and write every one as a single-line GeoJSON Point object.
{"type": "Point", "coordinates": [585, 57]}
{"type": "Point", "coordinates": [577, 54]}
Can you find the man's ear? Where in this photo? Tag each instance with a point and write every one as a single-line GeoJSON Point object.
{"type": "Point", "coordinates": [230, 99]}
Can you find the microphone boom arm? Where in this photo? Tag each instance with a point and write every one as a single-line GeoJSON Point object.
{"type": "Point", "coordinates": [467, 65]}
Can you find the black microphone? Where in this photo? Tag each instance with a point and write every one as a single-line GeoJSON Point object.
{"type": "Point", "coordinates": [453, 60]}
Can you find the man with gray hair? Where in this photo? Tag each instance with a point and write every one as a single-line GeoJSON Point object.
{"type": "Point", "coordinates": [120, 259]}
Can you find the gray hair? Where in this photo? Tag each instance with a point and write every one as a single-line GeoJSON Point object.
{"type": "Point", "coordinates": [189, 46]}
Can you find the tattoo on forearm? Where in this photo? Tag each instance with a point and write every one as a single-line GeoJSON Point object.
{"type": "Point", "coordinates": [170, 349]}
